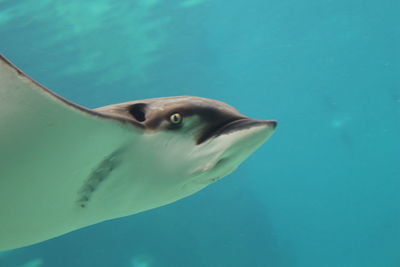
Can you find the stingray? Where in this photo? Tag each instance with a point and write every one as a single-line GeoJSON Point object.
{"type": "Point", "coordinates": [64, 166]}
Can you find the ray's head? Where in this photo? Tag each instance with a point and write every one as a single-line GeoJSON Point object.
{"type": "Point", "coordinates": [208, 137]}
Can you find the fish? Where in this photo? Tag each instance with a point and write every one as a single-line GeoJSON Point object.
{"type": "Point", "coordinates": [64, 166]}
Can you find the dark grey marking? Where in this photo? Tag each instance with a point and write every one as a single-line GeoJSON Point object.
{"type": "Point", "coordinates": [232, 126]}
{"type": "Point", "coordinates": [100, 173]}
{"type": "Point", "coordinates": [210, 114]}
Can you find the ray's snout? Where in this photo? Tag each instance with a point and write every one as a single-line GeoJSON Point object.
{"type": "Point", "coordinates": [272, 123]}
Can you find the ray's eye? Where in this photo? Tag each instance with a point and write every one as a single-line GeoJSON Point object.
{"type": "Point", "coordinates": [176, 118]}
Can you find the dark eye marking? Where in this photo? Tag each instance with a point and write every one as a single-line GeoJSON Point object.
{"type": "Point", "coordinates": [138, 111]}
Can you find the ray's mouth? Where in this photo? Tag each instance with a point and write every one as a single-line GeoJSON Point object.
{"type": "Point", "coordinates": [233, 125]}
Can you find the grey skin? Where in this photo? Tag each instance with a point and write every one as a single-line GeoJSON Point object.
{"type": "Point", "coordinates": [151, 114]}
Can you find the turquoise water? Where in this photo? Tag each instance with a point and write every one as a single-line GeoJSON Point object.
{"type": "Point", "coordinates": [323, 191]}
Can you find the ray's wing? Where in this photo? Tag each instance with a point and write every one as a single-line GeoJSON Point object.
{"type": "Point", "coordinates": [48, 148]}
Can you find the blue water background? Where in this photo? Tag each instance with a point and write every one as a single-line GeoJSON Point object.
{"type": "Point", "coordinates": [322, 192]}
